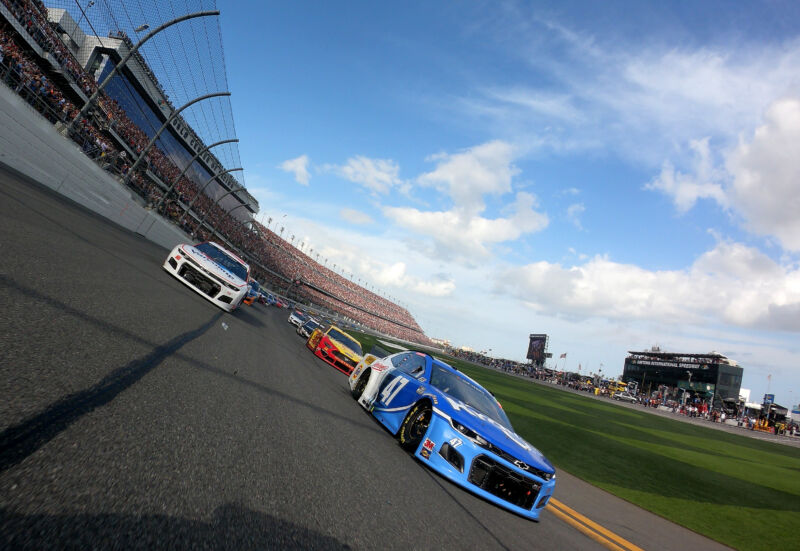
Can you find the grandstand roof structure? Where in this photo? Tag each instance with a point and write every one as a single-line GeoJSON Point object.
{"type": "Point", "coordinates": [177, 65]}
{"type": "Point", "coordinates": [711, 357]}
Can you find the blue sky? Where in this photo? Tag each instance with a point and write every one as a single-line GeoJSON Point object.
{"type": "Point", "coordinates": [617, 175]}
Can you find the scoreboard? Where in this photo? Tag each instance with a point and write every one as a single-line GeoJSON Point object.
{"type": "Point", "coordinates": [537, 349]}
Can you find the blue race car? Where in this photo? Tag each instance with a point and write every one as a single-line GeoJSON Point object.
{"type": "Point", "coordinates": [455, 427]}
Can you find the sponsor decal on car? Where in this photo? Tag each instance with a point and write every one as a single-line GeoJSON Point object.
{"type": "Point", "coordinates": [427, 448]}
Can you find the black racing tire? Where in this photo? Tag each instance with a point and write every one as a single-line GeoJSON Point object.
{"type": "Point", "coordinates": [414, 426]}
{"type": "Point", "coordinates": [361, 384]}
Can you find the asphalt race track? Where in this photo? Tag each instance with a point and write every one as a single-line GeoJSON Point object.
{"type": "Point", "coordinates": [131, 417]}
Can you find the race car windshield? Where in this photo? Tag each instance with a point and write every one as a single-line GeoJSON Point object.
{"type": "Point", "coordinates": [461, 388]}
{"type": "Point", "coordinates": [340, 337]}
{"type": "Point", "coordinates": [224, 260]}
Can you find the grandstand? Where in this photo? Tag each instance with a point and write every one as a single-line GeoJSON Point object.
{"type": "Point", "coordinates": [54, 56]}
{"type": "Point", "coordinates": [712, 376]}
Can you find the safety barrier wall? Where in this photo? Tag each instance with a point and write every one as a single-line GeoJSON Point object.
{"type": "Point", "coordinates": [31, 146]}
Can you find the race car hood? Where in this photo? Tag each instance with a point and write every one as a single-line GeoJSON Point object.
{"type": "Point", "coordinates": [344, 350]}
{"type": "Point", "coordinates": [495, 433]}
{"type": "Point", "coordinates": [212, 267]}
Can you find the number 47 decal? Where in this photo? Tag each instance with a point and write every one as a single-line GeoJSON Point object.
{"type": "Point", "coordinates": [392, 389]}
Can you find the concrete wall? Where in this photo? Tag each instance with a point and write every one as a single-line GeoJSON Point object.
{"type": "Point", "coordinates": [32, 147]}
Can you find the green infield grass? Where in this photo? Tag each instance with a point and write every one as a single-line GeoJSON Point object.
{"type": "Point", "coordinates": [737, 490]}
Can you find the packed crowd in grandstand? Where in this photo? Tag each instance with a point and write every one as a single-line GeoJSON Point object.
{"type": "Point", "coordinates": [37, 65]}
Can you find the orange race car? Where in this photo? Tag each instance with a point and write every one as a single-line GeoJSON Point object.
{"type": "Point", "coordinates": [336, 347]}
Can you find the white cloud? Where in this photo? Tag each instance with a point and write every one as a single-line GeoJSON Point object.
{"type": "Point", "coordinates": [463, 233]}
{"type": "Point", "coordinates": [601, 94]}
{"type": "Point", "coordinates": [395, 275]}
{"type": "Point", "coordinates": [372, 257]}
{"type": "Point", "coordinates": [549, 105]}
{"type": "Point", "coordinates": [574, 213]}
{"type": "Point", "coordinates": [704, 182]}
{"type": "Point", "coordinates": [765, 186]}
{"type": "Point", "coordinates": [469, 175]}
{"type": "Point", "coordinates": [759, 180]}
{"type": "Point", "coordinates": [298, 167]}
{"type": "Point", "coordinates": [464, 237]}
{"type": "Point", "coordinates": [644, 104]}
{"type": "Point", "coordinates": [731, 284]}
{"type": "Point", "coordinates": [377, 175]}
{"type": "Point", "coordinates": [355, 216]}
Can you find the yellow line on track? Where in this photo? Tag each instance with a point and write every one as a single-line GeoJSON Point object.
{"type": "Point", "coordinates": [590, 528]}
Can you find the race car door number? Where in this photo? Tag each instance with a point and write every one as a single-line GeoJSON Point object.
{"type": "Point", "coordinates": [392, 389]}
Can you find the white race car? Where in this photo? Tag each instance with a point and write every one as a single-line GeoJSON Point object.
{"type": "Point", "coordinates": [298, 318]}
{"type": "Point", "coordinates": [212, 271]}
{"type": "Point", "coordinates": [308, 327]}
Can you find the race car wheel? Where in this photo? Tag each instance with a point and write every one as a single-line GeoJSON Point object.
{"type": "Point", "coordinates": [361, 384]}
{"type": "Point", "coordinates": [414, 426]}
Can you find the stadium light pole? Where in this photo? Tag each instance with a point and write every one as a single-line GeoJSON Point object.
{"type": "Point", "coordinates": [208, 183]}
{"type": "Point", "coordinates": [118, 67]}
{"type": "Point", "coordinates": [155, 137]}
{"type": "Point", "coordinates": [83, 13]}
{"type": "Point", "coordinates": [178, 179]}
{"type": "Point", "coordinates": [243, 222]}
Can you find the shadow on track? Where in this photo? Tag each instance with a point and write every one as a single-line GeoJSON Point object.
{"type": "Point", "coordinates": [246, 315]}
{"type": "Point", "coordinates": [233, 526]}
{"type": "Point", "coordinates": [19, 441]}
